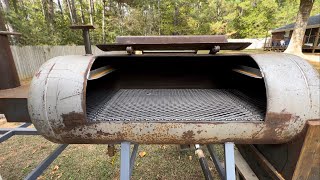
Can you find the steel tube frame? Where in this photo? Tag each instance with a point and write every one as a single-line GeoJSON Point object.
{"type": "Point", "coordinates": [20, 130]}
{"type": "Point", "coordinates": [203, 163]}
{"type": "Point", "coordinates": [227, 172]}
{"type": "Point", "coordinates": [23, 130]}
{"type": "Point", "coordinates": [36, 172]}
{"type": "Point", "coordinates": [133, 157]}
{"type": "Point", "coordinates": [86, 39]}
{"type": "Point", "coordinates": [216, 161]}
{"type": "Point", "coordinates": [127, 161]}
{"type": "Point", "coordinates": [229, 161]}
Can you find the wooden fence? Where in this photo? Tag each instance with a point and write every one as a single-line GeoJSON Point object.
{"type": "Point", "coordinates": [28, 59]}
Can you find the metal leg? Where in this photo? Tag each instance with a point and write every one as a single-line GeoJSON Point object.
{"type": "Point", "coordinates": [229, 161]}
{"type": "Point", "coordinates": [216, 161]}
{"type": "Point", "coordinates": [203, 163]}
{"type": "Point", "coordinates": [133, 157]}
{"type": "Point", "coordinates": [10, 133]}
{"type": "Point", "coordinates": [125, 161]}
{"type": "Point", "coordinates": [46, 163]}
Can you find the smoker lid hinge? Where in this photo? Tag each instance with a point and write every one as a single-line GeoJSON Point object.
{"type": "Point", "coordinates": [130, 50]}
{"type": "Point", "coordinates": [215, 50]}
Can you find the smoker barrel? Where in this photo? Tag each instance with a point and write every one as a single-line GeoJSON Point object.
{"type": "Point", "coordinates": [174, 98]}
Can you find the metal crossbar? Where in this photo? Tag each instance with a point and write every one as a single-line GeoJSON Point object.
{"type": "Point", "coordinates": [23, 130]}
{"type": "Point", "coordinates": [226, 171]}
{"type": "Point", "coordinates": [20, 130]}
{"type": "Point", "coordinates": [126, 161]}
{"type": "Point", "coordinates": [36, 172]}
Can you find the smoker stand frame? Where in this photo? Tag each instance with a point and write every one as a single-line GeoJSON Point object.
{"type": "Point", "coordinates": [126, 160]}
{"type": "Point", "coordinates": [307, 157]}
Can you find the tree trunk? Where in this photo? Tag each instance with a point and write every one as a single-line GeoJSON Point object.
{"type": "Point", "coordinates": [296, 41]}
{"type": "Point", "coordinates": [60, 7]}
{"type": "Point", "coordinates": [91, 11]}
{"type": "Point", "coordinates": [159, 16]}
{"type": "Point", "coordinates": [14, 2]}
{"type": "Point", "coordinates": [74, 11]}
{"type": "Point", "coordinates": [175, 19]}
{"type": "Point", "coordinates": [103, 21]}
{"type": "Point", "coordinates": [81, 11]}
{"type": "Point", "coordinates": [51, 12]}
{"type": "Point", "coordinates": [73, 16]}
{"type": "Point", "coordinates": [44, 9]}
{"type": "Point", "coordinates": [5, 5]}
{"type": "Point", "coordinates": [6, 9]}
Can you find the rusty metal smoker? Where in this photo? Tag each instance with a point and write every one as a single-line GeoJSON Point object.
{"type": "Point", "coordinates": [154, 90]}
{"type": "Point", "coordinates": [162, 90]}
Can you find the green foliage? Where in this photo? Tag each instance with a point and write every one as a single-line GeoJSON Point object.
{"type": "Point", "coordinates": [235, 18]}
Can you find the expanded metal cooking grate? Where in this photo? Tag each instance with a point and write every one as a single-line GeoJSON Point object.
{"type": "Point", "coordinates": [173, 105]}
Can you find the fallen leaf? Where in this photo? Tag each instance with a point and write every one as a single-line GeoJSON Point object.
{"type": "Point", "coordinates": [40, 178]}
{"type": "Point", "coordinates": [142, 153]}
{"type": "Point", "coordinates": [59, 176]}
{"type": "Point", "coordinates": [190, 158]}
{"type": "Point", "coordinates": [56, 167]}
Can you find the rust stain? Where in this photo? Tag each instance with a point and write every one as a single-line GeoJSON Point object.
{"type": "Point", "coordinates": [103, 133]}
{"type": "Point", "coordinates": [276, 124]}
{"type": "Point", "coordinates": [188, 135]}
{"type": "Point", "coordinates": [272, 133]}
{"type": "Point", "coordinates": [276, 117]}
{"type": "Point", "coordinates": [73, 119]}
{"type": "Point", "coordinates": [38, 74]}
{"type": "Point", "coordinates": [199, 131]}
{"type": "Point", "coordinates": [49, 73]}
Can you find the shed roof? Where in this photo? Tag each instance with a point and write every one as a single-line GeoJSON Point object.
{"type": "Point", "coordinates": [314, 21]}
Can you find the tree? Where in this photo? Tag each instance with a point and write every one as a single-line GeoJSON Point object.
{"type": "Point", "coordinates": [296, 41]}
{"type": "Point", "coordinates": [46, 22]}
{"type": "Point", "coordinates": [72, 11]}
{"type": "Point", "coordinates": [103, 21]}
{"type": "Point", "coordinates": [6, 7]}
{"type": "Point", "coordinates": [91, 11]}
{"type": "Point", "coordinates": [60, 7]}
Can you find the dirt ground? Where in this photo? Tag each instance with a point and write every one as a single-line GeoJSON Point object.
{"type": "Point", "coordinates": [20, 154]}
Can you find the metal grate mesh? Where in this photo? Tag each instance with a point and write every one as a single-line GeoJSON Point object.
{"type": "Point", "coordinates": [174, 105]}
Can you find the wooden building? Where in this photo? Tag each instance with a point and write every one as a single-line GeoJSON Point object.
{"type": "Point", "coordinates": [280, 37]}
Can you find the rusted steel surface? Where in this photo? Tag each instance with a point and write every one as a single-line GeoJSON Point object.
{"type": "Point", "coordinates": [13, 103]}
{"type": "Point", "coordinates": [171, 39]}
{"type": "Point", "coordinates": [57, 106]}
{"type": "Point", "coordinates": [8, 72]}
{"type": "Point", "coordinates": [174, 46]}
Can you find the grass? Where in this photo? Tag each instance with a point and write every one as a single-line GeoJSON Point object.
{"type": "Point", "coordinates": [20, 154]}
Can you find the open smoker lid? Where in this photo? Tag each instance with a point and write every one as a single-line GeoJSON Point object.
{"type": "Point", "coordinates": [206, 42]}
